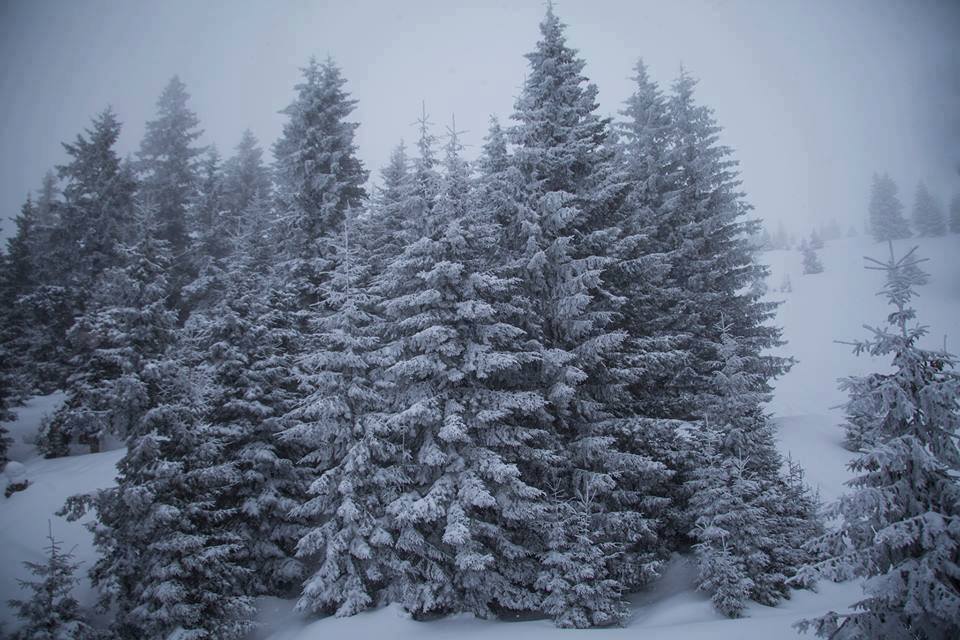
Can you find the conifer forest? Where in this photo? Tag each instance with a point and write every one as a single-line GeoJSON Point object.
{"type": "Point", "coordinates": [565, 377]}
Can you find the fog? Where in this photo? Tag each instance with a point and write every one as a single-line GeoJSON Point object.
{"type": "Point", "coordinates": [813, 96]}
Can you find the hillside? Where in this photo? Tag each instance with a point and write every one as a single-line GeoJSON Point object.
{"type": "Point", "coordinates": [820, 309]}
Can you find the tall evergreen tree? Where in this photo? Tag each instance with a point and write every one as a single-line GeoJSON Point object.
{"type": "Point", "coordinates": [169, 563]}
{"type": "Point", "coordinates": [212, 233]}
{"type": "Point", "coordinates": [425, 187]}
{"type": "Point", "coordinates": [713, 274]}
{"type": "Point", "coordinates": [340, 426]}
{"type": "Point", "coordinates": [900, 525]}
{"type": "Point", "coordinates": [168, 166]}
{"type": "Point", "coordinates": [499, 196]}
{"type": "Point", "coordinates": [748, 538]}
{"type": "Point", "coordinates": [246, 177]}
{"type": "Point", "coordinates": [645, 251]}
{"type": "Point", "coordinates": [567, 224]}
{"type": "Point", "coordinates": [48, 212]}
{"type": "Point", "coordinates": [465, 516]}
{"type": "Point", "coordinates": [244, 344]}
{"type": "Point", "coordinates": [928, 218]}
{"type": "Point", "coordinates": [886, 210]}
{"type": "Point", "coordinates": [388, 229]}
{"type": "Point", "coordinates": [19, 272]}
{"type": "Point", "coordinates": [115, 346]}
{"type": "Point", "coordinates": [317, 172]}
{"type": "Point", "coordinates": [98, 216]}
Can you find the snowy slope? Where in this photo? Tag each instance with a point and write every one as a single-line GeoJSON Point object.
{"type": "Point", "coordinates": [24, 515]}
{"type": "Point", "coordinates": [834, 305]}
{"type": "Point", "coordinates": [820, 309]}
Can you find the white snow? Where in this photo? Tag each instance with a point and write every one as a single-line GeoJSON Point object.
{"type": "Point", "coordinates": [822, 308]}
{"type": "Point", "coordinates": [24, 515]}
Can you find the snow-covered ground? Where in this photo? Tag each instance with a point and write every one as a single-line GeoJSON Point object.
{"type": "Point", "coordinates": [821, 308]}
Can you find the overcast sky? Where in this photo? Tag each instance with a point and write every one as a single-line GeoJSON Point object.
{"type": "Point", "coordinates": [814, 95]}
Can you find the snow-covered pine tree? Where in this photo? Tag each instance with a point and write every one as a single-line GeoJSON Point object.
{"type": "Point", "coordinates": [19, 274]}
{"type": "Point", "coordinates": [18, 278]}
{"type": "Point", "coordinates": [955, 214]}
{"type": "Point", "coordinates": [84, 237]}
{"type": "Point", "coordinates": [168, 165]}
{"type": "Point", "coordinates": [245, 179]}
{"type": "Point", "coordinates": [425, 180]}
{"type": "Point", "coordinates": [811, 263]}
{"type": "Point", "coordinates": [170, 564]}
{"type": "Point", "coordinates": [211, 239]}
{"type": "Point", "coordinates": [900, 525]}
{"type": "Point", "coordinates": [577, 593]}
{"type": "Point", "coordinates": [816, 240]}
{"type": "Point", "coordinates": [748, 539]}
{"type": "Point", "coordinates": [48, 218]}
{"type": "Point", "coordinates": [245, 346]}
{"type": "Point", "coordinates": [928, 218]}
{"type": "Point", "coordinates": [641, 277]}
{"type": "Point", "coordinates": [732, 539]}
{"type": "Point", "coordinates": [466, 518]}
{"type": "Point", "coordinates": [338, 424]}
{"type": "Point", "coordinates": [645, 252]}
{"type": "Point", "coordinates": [318, 175]}
{"type": "Point", "coordinates": [713, 273]}
{"type": "Point", "coordinates": [566, 234]}
{"type": "Point", "coordinates": [387, 228]}
{"type": "Point", "coordinates": [211, 234]}
{"type": "Point", "coordinates": [114, 344]}
{"type": "Point", "coordinates": [51, 612]}
{"type": "Point", "coordinates": [98, 213]}
{"type": "Point", "coordinates": [886, 210]}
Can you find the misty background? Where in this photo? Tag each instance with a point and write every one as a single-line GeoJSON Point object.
{"type": "Point", "coordinates": [813, 95]}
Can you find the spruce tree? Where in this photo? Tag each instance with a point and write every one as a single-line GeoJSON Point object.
{"type": "Point", "coordinates": [99, 215]}
{"type": "Point", "coordinates": [339, 425]}
{"type": "Point", "coordinates": [51, 612]}
{"type": "Point", "coordinates": [713, 274]}
{"type": "Point", "coordinates": [748, 538]}
{"type": "Point", "coordinates": [115, 344]}
{"type": "Point", "coordinates": [244, 343]}
{"type": "Point", "coordinates": [811, 263]}
{"type": "Point", "coordinates": [645, 251]}
{"type": "Point", "coordinates": [465, 516]}
{"type": "Point", "coordinates": [928, 218]}
{"type": "Point", "coordinates": [886, 210]}
{"type": "Point", "coordinates": [425, 180]}
{"type": "Point", "coordinates": [170, 562]}
{"type": "Point", "coordinates": [19, 273]}
{"type": "Point", "coordinates": [577, 593]}
{"type": "Point", "coordinates": [318, 174]}
{"type": "Point", "coordinates": [387, 229]}
{"type": "Point", "coordinates": [566, 230]}
{"type": "Point", "coordinates": [900, 525]}
{"type": "Point", "coordinates": [732, 539]}
{"type": "Point", "coordinates": [211, 231]}
{"type": "Point", "coordinates": [245, 178]}
{"type": "Point", "coordinates": [167, 162]}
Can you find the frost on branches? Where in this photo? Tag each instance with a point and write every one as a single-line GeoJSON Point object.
{"type": "Point", "coordinates": [900, 524]}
